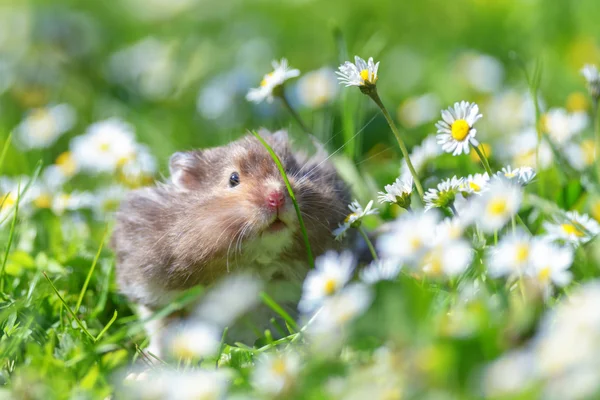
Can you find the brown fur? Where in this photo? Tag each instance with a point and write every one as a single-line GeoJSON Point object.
{"type": "Point", "coordinates": [195, 228]}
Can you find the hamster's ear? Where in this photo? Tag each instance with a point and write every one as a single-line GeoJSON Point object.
{"type": "Point", "coordinates": [183, 167]}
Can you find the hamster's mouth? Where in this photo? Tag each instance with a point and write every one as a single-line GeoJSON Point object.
{"type": "Point", "coordinates": [276, 226]}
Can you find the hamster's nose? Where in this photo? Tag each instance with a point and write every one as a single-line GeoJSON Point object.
{"type": "Point", "coordinates": [275, 199]}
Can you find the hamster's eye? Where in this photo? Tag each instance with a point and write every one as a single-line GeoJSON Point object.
{"type": "Point", "coordinates": [234, 179]}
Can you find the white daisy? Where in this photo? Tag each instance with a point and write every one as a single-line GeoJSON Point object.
{"type": "Point", "coordinates": [398, 192]}
{"type": "Point", "coordinates": [229, 299]}
{"type": "Point", "coordinates": [449, 229]}
{"type": "Point", "coordinates": [332, 271]}
{"type": "Point", "coordinates": [550, 263]}
{"type": "Point", "coordinates": [341, 309]}
{"type": "Point", "coordinates": [523, 149]}
{"type": "Point", "coordinates": [475, 184]}
{"type": "Point", "coordinates": [43, 126]}
{"type": "Point", "coordinates": [592, 76]}
{"type": "Point", "coordinates": [275, 372]}
{"type": "Point", "coordinates": [317, 88]}
{"type": "Point", "coordinates": [361, 73]}
{"type": "Point", "coordinates": [105, 146]}
{"type": "Point", "coordinates": [62, 202]}
{"type": "Point", "coordinates": [522, 175]}
{"type": "Point", "coordinates": [512, 255]}
{"type": "Point", "coordinates": [420, 156]}
{"type": "Point", "coordinates": [562, 125]}
{"type": "Point", "coordinates": [106, 200]}
{"type": "Point", "coordinates": [456, 131]}
{"type": "Point", "coordinates": [526, 175]}
{"type": "Point", "coordinates": [444, 195]}
{"type": "Point", "coordinates": [581, 155]}
{"type": "Point", "coordinates": [272, 82]}
{"type": "Point", "coordinates": [382, 270]}
{"type": "Point", "coordinates": [572, 228]}
{"type": "Point", "coordinates": [139, 169]}
{"type": "Point", "coordinates": [494, 208]}
{"type": "Point", "coordinates": [197, 384]}
{"type": "Point", "coordinates": [193, 340]}
{"type": "Point", "coordinates": [354, 219]}
{"type": "Point", "coordinates": [449, 258]}
{"type": "Point", "coordinates": [409, 237]}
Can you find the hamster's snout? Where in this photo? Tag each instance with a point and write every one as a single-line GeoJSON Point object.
{"type": "Point", "coordinates": [275, 199]}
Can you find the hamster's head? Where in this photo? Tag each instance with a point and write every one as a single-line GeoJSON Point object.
{"type": "Point", "coordinates": [236, 200]}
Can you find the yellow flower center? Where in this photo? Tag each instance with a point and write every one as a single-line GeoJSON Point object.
{"type": "Point", "coordinates": [588, 149]}
{"type": "Point", "coordinates": [265, 80]}
{"type": "Point", "coordinates": [415, 243]}
{"type": "Point", "coordinates": [66, 163]}
{"type": "Point", "coordinates": [577, 102]}
{"type": "Point", "coordinates": [181, 349]}
{"type": "Point", "coordinates": [433, 262]}
{"type": "Point", "coordinates": [278, 367]}
{"type": "Point", "coordinates": [596, 210]}
{"type": "Point", "coordinates": [8, 200]}
{"type": "Point", "coordinates": [364, 74]}
{"type": "Point", "coordinates": [104, 147]}
{"type": "Point", "coordinates": [350, 216]}
{"type": "Point", "coordinates": [521, 253]}
{"type": "Point", "coordinates": [497, 207]}
{"type": "Point", "coordinates": [571, 229]}
{"type": "Point", "coordinates": [43, 201]}
{"type": "Point", "coordinates": [460, 129]}
{"type": "Point", "coordinates": [544, 274]}
{"type": "Point", "coordinates": [330, 287]}
{"type": "Point", "coordinates": [474, 186]}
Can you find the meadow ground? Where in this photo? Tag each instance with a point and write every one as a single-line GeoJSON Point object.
{"type": "Point", "coordinates": [469, 130]}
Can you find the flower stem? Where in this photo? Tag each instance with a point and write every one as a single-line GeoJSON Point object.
{"type": "Point", "coordinates": [484, 160]}
{"type": "Point", "coordinates": [369, 243]}
{"type": "Point", "coordinates": [373, 95]}
{"type": "Point", "coordinates": [453, 209]}
{"type": "Point", "coordinates": [596, 116]}
{"type": "Point", "coordinates": [295, 115]}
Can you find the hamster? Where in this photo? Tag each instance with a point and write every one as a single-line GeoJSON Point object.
{"type": "Point", "coordinates": [222, 210]}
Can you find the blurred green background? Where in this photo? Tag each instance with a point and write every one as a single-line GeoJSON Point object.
{"type": "Point", "coordinates": [178, 70]}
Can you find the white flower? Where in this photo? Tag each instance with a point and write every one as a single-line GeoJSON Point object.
{"type": "Point", "coordinates": [73, 201]}
{"type": "Point", "coordinates": [141, 167]}
{"type": "Point", "coordinates": [573, 228]}
{"type": "Point", "coordinates": [416, 111]}
{"type": "Point", "coordinates": [354, 219]}
{"type": "Point", "coordinates": [409, 237]}
{"type": "Point", "coordinates": [194, 340]}
{"type": "Point", "coordinates": [550, 262]}
{"type": "Point", "coordinates": [476, 184]}
{"type": "Point", "coordinates": [562, 125]}
{"type": "Point", "coordinates": [332, 271]}
{"type": "Point", "coordinates": [317, 88]}
{"type": "Point", "coordinates": [512, 255]}
{"type": "Point", "coordinates": [361, 73]}
{"type": "Point", "coordinates": [148, 67]}
{"type": "Point", "coordinates": [511, 374]}
{"type": "Point", "coordinates": [229, 299]}
{"type": "Point", "coordinates": [420, 156]}
{"type": "Point", "coordinates": [43, 126]}
{"type": "Point", "coordinates": [592, 76]}
{"type": "Point", "coordinates": [494, 208]}
{"type": "Point", "coordinates": [276, 372]}
{"type": "Point", "coordinates": [523, 149]}
{"type": "Point", "coordinates": [449, 258]}
{"type": "Point", "coordinates": [484, 73]}
{"type": "Point", "coordinates": [456, 131]}
{"type": "Point", "coordinates": [382, 270]}
{"type": "Point", "coordinates": [444, 195]}
{"type": "Point", "coordinates": [449, 229]}
{"type": "Point", "coordinates": [398, 192]}
{"type": "Point", "coordinates": [106, 200]}
{"type": "Point", "coordinates": [341, 309]}
{"type": "Point", "coordinates": [105, 146]}
{"type": "Point", "coordinates": [526, 175]}
{"type": "Point", "coordinates": [581, 155]}
{"type": "Point", "coordinates": [272, 81]}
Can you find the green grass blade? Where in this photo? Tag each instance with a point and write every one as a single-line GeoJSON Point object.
{"type": "Point", "coordinates": [77, 321]}
{"type": "Point", "coordinates": [292, 196]}
{"type": "Point", "coordinates": [11, 236]}
{"type": "Point", "coordinates": [91, 271]}
{"type": "Point", "coordinates": [5, 150]}
{"type": "Point", "coordinates": [268, 300]}
{"type": "Point", "coordinates": [113, 319]}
